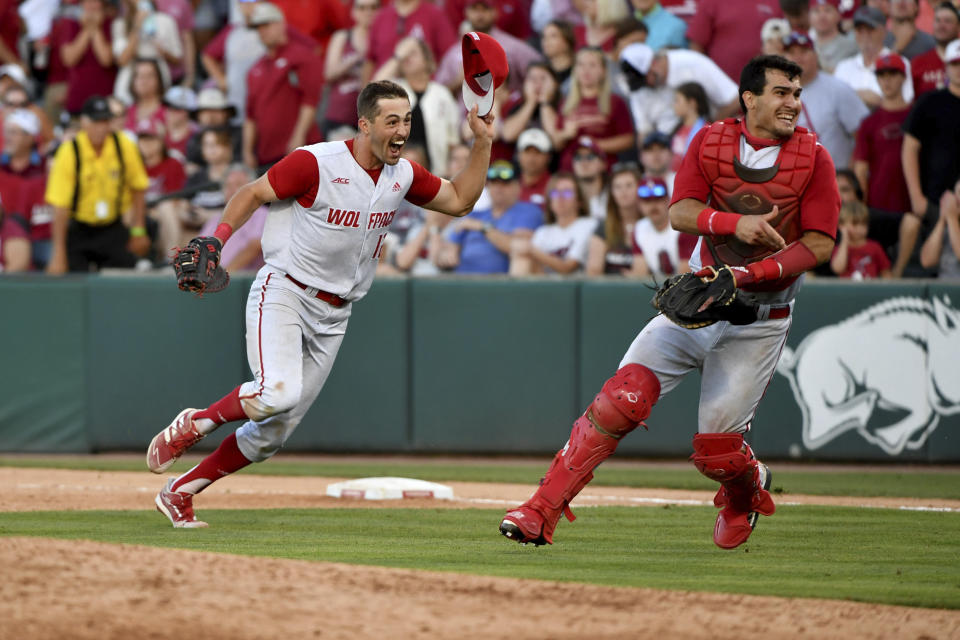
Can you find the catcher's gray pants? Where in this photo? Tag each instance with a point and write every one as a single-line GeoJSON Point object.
{"type": "Point", "coordinates": [292, 341]}
{"type": "Point", "coordinates": [735, 362]}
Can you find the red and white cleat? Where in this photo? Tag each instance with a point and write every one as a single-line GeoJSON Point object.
{"type": "Point", "coordinates": [171, 443]}
{"type": "Point", "coordinates": [178, 507]}
{"type": "Point", "coordinates": [524, 525]}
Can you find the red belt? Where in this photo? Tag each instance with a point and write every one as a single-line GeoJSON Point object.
{"type": "Point", "coordinates": [330, 298]}
{"type": "Point", "coordinates": [776, 313]}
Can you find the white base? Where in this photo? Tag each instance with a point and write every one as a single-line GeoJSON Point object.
{"type": "Point", "coordinates": [389, 489]}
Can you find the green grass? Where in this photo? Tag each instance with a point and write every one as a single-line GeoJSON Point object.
{"type": "Point", "coordinates": [872, 555]}
{"type": "Point", "coordinates": [861, 483]}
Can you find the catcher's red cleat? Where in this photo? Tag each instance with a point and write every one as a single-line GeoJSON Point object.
{"type": "Point", "coordinates": [524, 525]}
{"type": "Point", "coordinates": [171, 443]}
{"type": "Point", "coordinates": [734, 526]}
{"type": "Point", "coordinates": [178, 507]}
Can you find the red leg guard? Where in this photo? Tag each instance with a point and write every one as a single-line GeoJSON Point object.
{"type": "Point", "coordinates": [622, 404]}
{"type": "Point", "coordinates": [726, 458]}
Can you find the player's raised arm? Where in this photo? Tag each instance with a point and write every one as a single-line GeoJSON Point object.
{"type": "Point", "coordinates": [458, 195]}
{"type": "Point", "coordinates": [246, 200]}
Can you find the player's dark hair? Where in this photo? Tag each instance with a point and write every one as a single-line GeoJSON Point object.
{"type": "Point", "coordinates": [753, 78]}
{"type": "Point", "coordinates": [368, 106]}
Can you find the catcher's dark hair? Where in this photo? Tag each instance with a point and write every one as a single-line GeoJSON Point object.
{"type": "Point", "coordinates": [368, 106]}
{"type": "Point", "coordinates": [753, 78]}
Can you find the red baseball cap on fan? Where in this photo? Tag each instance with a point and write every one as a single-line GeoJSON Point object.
{"type": "Point", "coordinates": [484, 69]}
{"type": "Point", "coordinates": [891, 62]}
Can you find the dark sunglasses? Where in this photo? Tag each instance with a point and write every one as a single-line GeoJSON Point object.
{"type": "Point", "coordinates": [562, 193]}
{"type": "Point", "coordinates": [500, 173]}
{"type": "Point", "coordinates": [656, 191]}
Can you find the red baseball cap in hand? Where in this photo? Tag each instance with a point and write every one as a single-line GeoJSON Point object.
{"type": "Point", "coordinates": [484, 69]}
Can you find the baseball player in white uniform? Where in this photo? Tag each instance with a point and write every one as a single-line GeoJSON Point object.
{"type": "Point", "coordinates": [333, 205]}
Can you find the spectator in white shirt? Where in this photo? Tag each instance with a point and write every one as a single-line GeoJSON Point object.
{"type": "Point", "coordinates": [858, 71]}
{"type": "Point", "coordinates": [670, 68]}
{"type": "Point", "coordinates": [562, 244]}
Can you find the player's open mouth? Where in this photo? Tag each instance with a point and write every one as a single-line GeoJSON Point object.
{"type": "Point", "coordinates": [397, 146]}
{"type": "Point", "coordinates": [787, 118]}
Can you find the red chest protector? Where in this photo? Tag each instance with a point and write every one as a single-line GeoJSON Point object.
{"type": "Point", "coordinates": [736, 188]}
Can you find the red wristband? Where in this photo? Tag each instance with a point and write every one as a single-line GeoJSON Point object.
{"type": "Point", "coordinates": [711, 222]}
{"type": "Point", "coordinates": [792, 261]}
{"type": "Point", "coordinates": [223, 232]}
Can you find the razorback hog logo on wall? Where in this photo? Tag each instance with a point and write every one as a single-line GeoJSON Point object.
{"type": "Point", "coordinates": [890, 372]}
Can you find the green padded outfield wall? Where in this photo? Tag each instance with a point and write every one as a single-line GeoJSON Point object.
{"type": "Point", "coordinates": [871, 371]}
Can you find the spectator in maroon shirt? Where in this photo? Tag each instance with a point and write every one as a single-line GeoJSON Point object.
{"type": "Point", "coordinates": [178, 104]}
{"type": "Point", "coordinates": [856, 256]}
{"type": "Point", "coordinates": [147, 87]}
{"type": "Point", "coordinates": [534, 157]}
{"type": "Point", "coordinates": [513, 16]}
{"type": "Point", "coordinates": [319, 19]}
{"type": "Point", "coordinates": [229, 57]}
{"type": "Point", "coordinates": [87, 53]}
{"type": "Point", "coordinates": [879, 140]}
{"type": "Point", "coordinates": [14, 244]}
{"type": "Point", "coordinates": [928, 69]}
{"type": "Point", "coordinates": [166, 176]}
{"type": "Point", "coordinates": [401, 18]}
{"type": "Point", "coordinates": [283, 93]}
{"type": "Point", "coordinates": [23, 179]}
{"type": "Point", "coordinates": [591, 109]}
{"type": "Point", "coordinates": [343, 66]}
{"type": "Point", "coordinates": [728, 31]}
{"type": "Point", "coordinates": [10, 28]}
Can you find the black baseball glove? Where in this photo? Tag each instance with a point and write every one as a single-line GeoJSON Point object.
{"type": "Point", "coordinates": [695, 300]}
{"type": "Point", "coordinates": [198, 266]}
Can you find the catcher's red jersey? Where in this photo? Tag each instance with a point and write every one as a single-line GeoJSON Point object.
{"type": "Point", "coordinates": [801, 182]}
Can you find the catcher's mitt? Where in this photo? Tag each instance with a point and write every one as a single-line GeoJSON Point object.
{"type": "Point", "coordinates": [198, 266]}
{"type": "Point", "coordinates": [695, 300]}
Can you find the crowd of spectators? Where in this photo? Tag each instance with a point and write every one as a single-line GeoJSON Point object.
{"type": "Point", "coordinates": [128, 124]}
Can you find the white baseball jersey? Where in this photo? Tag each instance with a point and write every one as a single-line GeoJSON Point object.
{"type": "Point", "coordinates": [335, 242]}
{"type": "Point", "coordinates": [571, 242]}
{"type": "Point", "coordinates": [660, 248]}
{"type": "Point", "coordinates": [327, 232]}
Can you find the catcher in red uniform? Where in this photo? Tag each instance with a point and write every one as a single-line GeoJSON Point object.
{"type": "Point", "coordinates": [762, 195]}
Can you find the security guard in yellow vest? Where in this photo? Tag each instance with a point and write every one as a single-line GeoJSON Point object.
{"type": "Point", "coordinates": [94, 180]}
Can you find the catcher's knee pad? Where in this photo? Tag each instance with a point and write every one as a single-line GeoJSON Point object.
{"type": "Point", "coordinates": [625, 400]}
{"type": "Point", "coordinates": [273, 399]}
